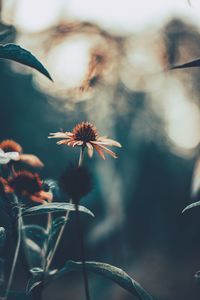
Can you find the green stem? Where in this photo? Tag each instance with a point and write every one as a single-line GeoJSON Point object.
{"type": "Point", "coordinates": [80, 234]}
{"type": "Point", "coordinates": [82, 252]}
{"type": "Point", "coordinates": [81, 157]}
{"type": "Point", "coordinates": [15, 256]}
{"type": "Point", "coordinates": [48, 229]}
{"type": "Point", "coordinates": [51, 255]}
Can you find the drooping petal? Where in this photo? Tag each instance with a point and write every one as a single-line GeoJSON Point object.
{"type": "Point", "coordinates": [108, 151]}
{"type": "Point", "coordinates": [108, 142]}
{"type": "Point", "coordinates": [63, 142]}
{"type": "Point", "coordinates": [77, 143]}
{"type": "Point", "coordinates": [31, 160]}
{"type": "Point", "coordinates": [59, 135]}
{"type": "Point", "coordinates": [99, 151]}
{"type": "Point", "coordinates": [90, 149]}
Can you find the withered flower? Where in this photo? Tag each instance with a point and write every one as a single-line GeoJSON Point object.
{"type": "Point", "coordinates": [85, 135]}
{"type": "Point", "coordinates": [76, 182]}
{"type": "Point", "coordinates": [10, 150]}
{"type": "Point", "coordinates": [25, 183]}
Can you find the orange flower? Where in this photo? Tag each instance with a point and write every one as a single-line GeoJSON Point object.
{"type": "Point", "coordinates": [25, 183]}
{"type": "Point", "coordinates": [4, 186]}
{"type": "Point", "coordinates": [85, 135]}
{"type": "Point", "coordinates": [10, 146]}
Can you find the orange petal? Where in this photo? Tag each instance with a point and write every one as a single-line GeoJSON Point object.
{"type": "Point", "coordinates": [108, 151]}
{"type": "Point", "coordinates": [59, 135]}
{"type": "Point", "coordinates": [99, 151]}
{"type": "Point", "coordinates": [48, 196]}
{"type": "Point", "coordinates": [90, 149]}
{"type": "Point", "coordinates": [31, 160]}
{"type": "Point", "coordinates": [108, 142]}
{"type": "Point", "coordinates": [63, 142]}
{"type": "Point", "coordinates": [37, 199]}
{"type": "Point", "coordinates": [42, 197]}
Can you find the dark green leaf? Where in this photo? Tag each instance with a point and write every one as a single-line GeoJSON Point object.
{"type": "Point", "coordinates": [20, 55]}
{"type": "Point", "coordinates": [18, 296]}
{"type": "Point", "coordinates": [6, 31]}
{"type": "Point", "coordinates": [2, 277]}
{"type": "Point", "coordinates": [190, 64]}
{"type": "Point", "coordinates": [54, 207]}
{"type": "Point", "coordinates": [195, 204]}
{"type": "Point", "coordinates": [197, 277]}
{"type": "Point", "coordinates": [55, 228]}
{"type": "Point", "coordinates": [32, 283]}
{"type": "Point", "coordinates": [34, 239]}
{"type": "Point", "coordinates": [37, 274]}
{"type": "Point", "coordinates": [2, 237]}
{"type": "Point", "coordinates": [36, 233]}
{"type": "Point", "coordinates": [57, 224]}
{"type": "Point", "coordinates": [110, 272]}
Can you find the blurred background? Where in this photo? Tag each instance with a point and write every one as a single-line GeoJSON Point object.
{"type": "Point", "coordinates": [109, 61]}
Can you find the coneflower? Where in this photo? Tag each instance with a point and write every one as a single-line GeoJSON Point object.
{"type": "Point", "coordinates": [25, 183]}
{"type": "Point", "coordinates": [13, 151]}
{"type": "Point", "coordinates": [85, 135]}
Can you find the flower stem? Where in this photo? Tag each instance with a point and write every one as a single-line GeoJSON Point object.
{"type": "Point", "coordinates": [50, 257]}
{"type": "Point", "coordinates": [81, 157]}
{"type": "Point", "coordinates": [82, 250]}
{"type": "Point", "coordinates": [15, 256]}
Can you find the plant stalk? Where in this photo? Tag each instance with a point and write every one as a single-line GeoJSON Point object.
{"type": "Point", "coordinates": [15, 256]}
{"type": "Point", "coordinates": [82, 252]}
{"type": "Point", "coordinates": [51, 256]}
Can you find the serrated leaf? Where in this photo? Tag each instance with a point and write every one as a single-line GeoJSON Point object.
{"type": "Point", "coordinates": [110, 272]}
{"type": "Point", "coordinates": [23, 56]}
{"type": "Point", "coordinates": [193, 205]}
{"type": "Point", "coordinates": [191, 64]}
{"type": "Point", "coordinates": [53, 208]}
